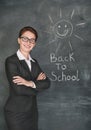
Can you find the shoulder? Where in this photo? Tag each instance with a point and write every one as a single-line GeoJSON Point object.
{"type": "Point", "coordinates": [35, 61]}
{"type": "Point", "coordinates": [12, 58]}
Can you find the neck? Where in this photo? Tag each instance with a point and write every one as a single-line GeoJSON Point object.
{"type": "Point", "coordinates": [25, 54]}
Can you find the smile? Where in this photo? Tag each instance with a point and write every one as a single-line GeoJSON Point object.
{"type": "Point", "coordinates": [64, 33]}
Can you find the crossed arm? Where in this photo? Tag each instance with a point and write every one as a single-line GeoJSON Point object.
{"type": "Point", "coordinates": [21, 81]}
{"type": "Point", "coordinates": [20, 85]}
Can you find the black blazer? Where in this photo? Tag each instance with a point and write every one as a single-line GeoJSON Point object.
{"type": "Point", "coordinates": [22, 98]}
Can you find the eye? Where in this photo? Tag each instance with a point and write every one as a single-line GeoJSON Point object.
{"type": "Point", "coordinates": [32, 40]}
{"type": "Point", "coordinates": [25, 38]}
{"type": "Point", "coordinates": [65, 26]}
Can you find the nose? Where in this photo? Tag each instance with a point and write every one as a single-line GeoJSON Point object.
{"type": "Point", "coordinates": [28, 42]}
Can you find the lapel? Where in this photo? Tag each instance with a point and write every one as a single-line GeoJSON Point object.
{"type": "Point", "coordinates": [32, 66]}
{"type": "Point", "coordinates": [23, 65]}
{"type": "Point", "coordinates": [26, 68]}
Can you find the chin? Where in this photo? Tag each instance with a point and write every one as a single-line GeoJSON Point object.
{"type": "Point", "coordinates": [27, 50]}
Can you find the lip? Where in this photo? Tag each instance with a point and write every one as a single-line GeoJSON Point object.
{"type": "Point", "coordinates": [27, 46]}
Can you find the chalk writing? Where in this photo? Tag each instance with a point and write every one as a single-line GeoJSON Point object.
{"type": "Point", "coordinates": [64, 77]}
{"type": "Point", "coordinates": [60, 66]}
{"type": "Point", "coordinates": [54, 58]}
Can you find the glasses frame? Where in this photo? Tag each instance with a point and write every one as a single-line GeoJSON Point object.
{"type": "Point", "coordinates": [26, 39]}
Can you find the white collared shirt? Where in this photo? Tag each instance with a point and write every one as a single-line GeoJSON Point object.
{"type": "Point", "coordinates": [28, 61]}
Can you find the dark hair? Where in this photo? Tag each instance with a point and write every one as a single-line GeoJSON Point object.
{"type": "Point", "coordinates": [28, 28]}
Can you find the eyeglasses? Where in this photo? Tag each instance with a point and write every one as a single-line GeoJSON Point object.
{"type": "Point", "coordinates": [26, 39]}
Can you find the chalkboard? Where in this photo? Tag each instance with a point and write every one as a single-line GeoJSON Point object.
{"type": "Point", "coordinates": [63, 51]}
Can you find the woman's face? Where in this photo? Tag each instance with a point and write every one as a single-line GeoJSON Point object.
{"type": "Point", "coordinates": [27, 41]}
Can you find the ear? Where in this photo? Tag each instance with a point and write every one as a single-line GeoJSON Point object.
{"type": "Point", "coordinates": [18, 40]}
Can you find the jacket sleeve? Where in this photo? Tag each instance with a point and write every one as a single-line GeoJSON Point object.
{"type": "Point", "coordinates": [12, 70]}
{"type": "Point", "coordinates": [41, 84]}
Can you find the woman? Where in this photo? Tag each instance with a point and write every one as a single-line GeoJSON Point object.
{"type": "Point", "coordinates": [26, 79]}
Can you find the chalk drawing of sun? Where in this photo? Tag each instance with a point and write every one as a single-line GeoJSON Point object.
{"type": "Point", "coordinates": [63, 29]}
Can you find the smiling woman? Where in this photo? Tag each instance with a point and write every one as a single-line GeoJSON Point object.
{"type": "Point", "coordinates": [27, 42]}
{"type": "Point", "coordinates": [26, 79]}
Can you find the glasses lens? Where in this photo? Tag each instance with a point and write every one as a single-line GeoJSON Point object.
{"type": "Point", "coordinates": [32, 40]}
{"type": "Point", "coordinates": [26, 39]}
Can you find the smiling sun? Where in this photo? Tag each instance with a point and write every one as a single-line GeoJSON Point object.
{"type": "Point", "coordinates": [64, 29]}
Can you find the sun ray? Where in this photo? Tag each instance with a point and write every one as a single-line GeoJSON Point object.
{"type": "Point", "coordinates": [79, 37]}
{"type": "Point", "coordinates": [72, 13]}
{"type": "Point", "coordinates": [60, 13]}
{"type": "Point", "coordinates": [52, 41]}
{"type": "Point", "coordinates": [58, 47]}
{"type": "Point", "coordinates": [80, 24]}
{"type": "Point", "coordinates": [50, 19]}
{"type": "Point", "coordinates": [67, 31]}
{"type": "Point", "coordinates": [70, 46]}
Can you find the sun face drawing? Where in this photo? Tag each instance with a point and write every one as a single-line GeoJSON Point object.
{"type": "Point", "coordinates": [63, 29]}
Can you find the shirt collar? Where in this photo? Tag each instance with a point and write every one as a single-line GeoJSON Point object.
{"type": "Point", "coordinates": [21, 56]}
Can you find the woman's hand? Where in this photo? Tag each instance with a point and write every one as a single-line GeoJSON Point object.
{"type": "Point", "coordinates": [21, 81]}
{"type": "Point", "coordinates": [41, 76]}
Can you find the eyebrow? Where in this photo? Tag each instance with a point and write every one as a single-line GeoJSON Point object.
{"type": "Point", "coordinates": [27, 37]}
